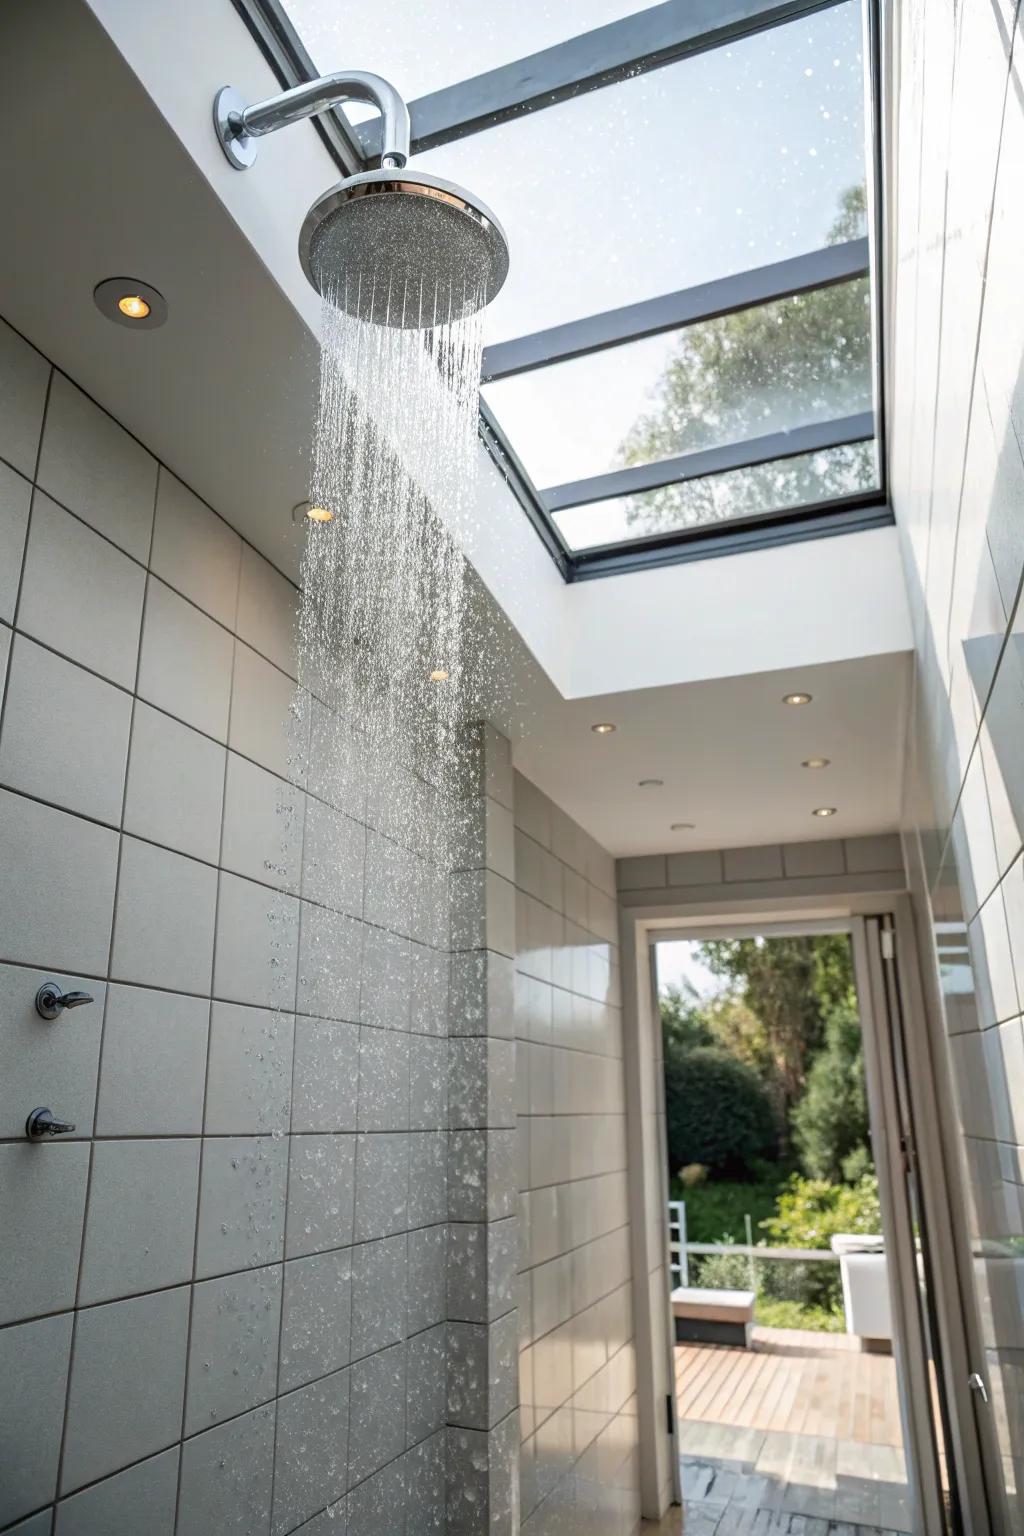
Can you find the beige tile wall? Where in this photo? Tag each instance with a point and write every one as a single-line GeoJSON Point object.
{"type": "Point", "coordinates": [577, 1359]}
{"type": "Point", "coordinates": [956, 432]}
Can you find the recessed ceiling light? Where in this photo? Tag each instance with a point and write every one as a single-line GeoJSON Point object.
{"type": "Point", "coordinates": [796, 698]}
{"type": "Point", "coordinates": [439, 675]}
{"type": "Point", "coordinates": [603, 728]}
{"type": "Point", "coordinates": [825, 810]}
{"type": "Point", "coordinates": [304, 511]}
{"type": "Point", "coordinates": [126, 301]}
{"type": "Point", "coordinates": [650, 783]}
{"type": "Point", "coordinates": [134, 306]}
{"type": "Point", "coordinates": [682, 826]}
{"type": "Point", "coordinates": [815, 762]}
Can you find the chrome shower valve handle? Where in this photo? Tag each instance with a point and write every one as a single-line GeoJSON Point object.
{"type": "Point", "coordinates": [42, 1125]}
{"type": "Point", "coordinates": [51, 1001]}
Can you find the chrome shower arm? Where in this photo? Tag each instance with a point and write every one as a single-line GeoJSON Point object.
{"type": "Point", "coordinates": [238, 125]}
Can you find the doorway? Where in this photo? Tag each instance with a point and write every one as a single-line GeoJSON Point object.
{"type": "Point", "coordinates": [804, 1354]}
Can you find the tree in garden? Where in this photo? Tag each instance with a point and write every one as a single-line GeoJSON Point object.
{"type": "Point", "coordinates": [718, 1112]}
{"type": "Point", "coordinates": [830, 1123]}
{"type": "Point", "coordinates": [799, 359]}
{"type": "Point", "coordinates": [682, 1020]}
{"type": "Point", "coordinates": [791, 985]}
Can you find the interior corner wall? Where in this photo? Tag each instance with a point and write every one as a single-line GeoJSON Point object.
{"type": "Point", "coordinates": [577, 1359]}
{"type": "Point", "coordinates": [956, 427]}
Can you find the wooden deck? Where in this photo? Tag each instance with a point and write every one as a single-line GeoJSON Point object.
{"type": "Point", "coordinates": [793, 1383]}
{"type": "Point", "coordinates": [798, 1434]}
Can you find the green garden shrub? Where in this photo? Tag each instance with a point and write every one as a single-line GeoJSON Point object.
{"type": "Point", "coordinates": [718, 1112]}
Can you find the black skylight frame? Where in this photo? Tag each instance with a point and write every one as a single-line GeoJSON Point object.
{"type": "Point", "coordinates": [644, 41]}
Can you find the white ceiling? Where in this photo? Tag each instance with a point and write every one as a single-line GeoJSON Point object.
{"type": "Point", "coordinates": [730, 753]}
{"type": "Point", "coordinates": [99, 185]}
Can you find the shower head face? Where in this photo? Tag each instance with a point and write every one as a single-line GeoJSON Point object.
{"type": "Point", "coordinates": [401, 249]}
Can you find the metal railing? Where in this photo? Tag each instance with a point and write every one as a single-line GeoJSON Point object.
{"type": "Point", "coordinates": [680, 1249]}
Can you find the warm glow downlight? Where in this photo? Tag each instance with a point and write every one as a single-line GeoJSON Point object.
{"type": "Point", "coordinates": [320, 514]}
{"type": "Point", "coordinates": [439, 675]}
{"type": "Point", "coordinates": [133, 305]}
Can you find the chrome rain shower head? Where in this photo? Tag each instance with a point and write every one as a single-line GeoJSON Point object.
{"type": "Point", "coordinates": [396, 247]}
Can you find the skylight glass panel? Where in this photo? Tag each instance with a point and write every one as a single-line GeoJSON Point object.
{"type": "Point", "coordinates": [424, 45]}
{"type": "Point", "coordinates": [730, 159]}
{"type": "Point", "coordinates": [784, 485]}
{"type": "Point", "coordinates": [766, 369]}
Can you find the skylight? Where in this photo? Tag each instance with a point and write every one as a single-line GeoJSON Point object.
{"type": "Point", "coordinates": [683, 358]}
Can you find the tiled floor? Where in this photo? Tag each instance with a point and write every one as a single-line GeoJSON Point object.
{"type": "Point", "coordinates": [797, 1436]}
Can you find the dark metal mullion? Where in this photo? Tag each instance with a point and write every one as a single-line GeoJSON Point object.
{"type": "Point", "coordinates": [746, 454]}
{"type": "Point", "coordinates": [285, 52]}
{"type": "Point", "coordinates": [765, 530]}
{"type": "Point", "coordinates": [647, 40]}
{"type": "Point", "coordinates": [823, 268]}
{"type": "Point", "coordinates": [507, 462]}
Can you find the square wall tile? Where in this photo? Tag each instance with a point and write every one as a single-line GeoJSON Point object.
{"type": "Point", "coordinates": [227, 1478]}
{"type": "Point", "coordinates": [262, 724]}
{"type": "Point", "coordinates": [379, 1506]}
{"type": "Point", "coordinates": [257, 944]}
{"type": "Point", "coordinates": [34, 1370]}
{"type": "Point", "coordinates": [330, 964]}
{"type": "Point", "coordinates": [147, 1190]}
{"type": "Point", "coordinates": [163, 931]}
{"type": "Point", "coordinates": [312, 1451]}
{"type": "Point", "coordinates": [428, 1178]}
{"type": "Point", "coordinates": [427, 1262]}
{"type": "Point", "coordinates": [333, 859]}
{"type": "Point", "coordinates": [185, 662]}
{"type": "Point", "coordinates": [383, 1080]}
{"type": "Point", "coordinates": [379, 1295]}
{"type": "Point", "coordinates": [232, 1354]}
{"type": "Point", "coordinates": [316, 1317]}
{"type": "Point", "coordinates": [42, 1193]}
{"type": "Point", "coordinates": [24, 376]}
{"type": "Point", "coordinates": [382, 1184]}
{"type": "Point", "coordinates": [428, 1083]}
{"type": "Point", "coordinates": [153, 1071]}
{"type": "Point", "coordinates": [267, 604]}
{"type": "Point", "coordinates": [15, 496]}
{"type": "Point", "coordinates": [249, 1082]}
{"type": "Point", "coordinates": [321, 1194]}
{"type": "Point", "coordinates": [175, 785]}
{"type": "Point", "coordinates": [818, 858]}
{"type": "Point", "coordinates": [91, 465]}
{"type": "Point", "coordinates": [241, 1204]}
{"type": "Point", "coordinates": [194, 550]}
{"type": "Point", "coordinates": [762, 863]}
{"type": "Point", "coordinates": [143, 1498]}
{"type": "Point", "coordinates": [326, 1076]}
{"type": "Point", "coordinates": [337, 766]}
{"type": "Point", "coordinates": [80, 595]}
{"type": "Point", "coordinates": [56, 887]}
{"type": "Point", "coordinates": [426, 1384]}
{"type": "Point", "coordinates": [47, 1062]}
{"type": "Point", "coordinates": [377, 1429]}
{"type": "Point", "coordinates": [700, 868]}
{"type": "Point", "coordinates": [263, 825]}
{"type": "Point", "coordinates": [384, 991]}
{"type": "Point", "coordinates": [93, 716]}
{"type": "Point", "coordinates": [127, 1382]}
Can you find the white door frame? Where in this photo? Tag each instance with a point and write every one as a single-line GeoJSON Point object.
{"type": "Point", "coordinates": [641, 930]}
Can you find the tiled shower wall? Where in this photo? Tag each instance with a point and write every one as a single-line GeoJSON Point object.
{"type": "Point", "coordinates": [577, 1366]}
{"type": "Point", "coordinates": [224, 1297]}
{"type": "Point", "coordinates": [957, 469]}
